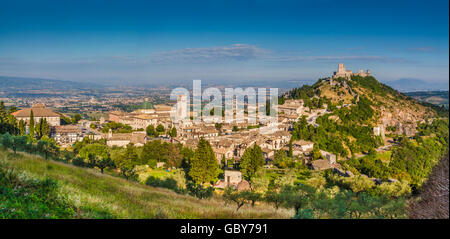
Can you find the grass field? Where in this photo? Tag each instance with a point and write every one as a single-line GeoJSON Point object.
{"type": "Point", "coordinates": [96, 195]}
{"type": "Point", "coordinates": [385, 157]}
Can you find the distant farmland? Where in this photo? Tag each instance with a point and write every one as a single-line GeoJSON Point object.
{"type": "Point", "coordinates": [433, 97]}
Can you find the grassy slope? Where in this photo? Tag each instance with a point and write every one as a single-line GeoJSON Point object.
{"type": "Point", "coordinates": [390, 99]}
{"type": "Point", "coordinates": [104, 196]}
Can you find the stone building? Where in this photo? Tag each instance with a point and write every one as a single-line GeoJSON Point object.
{"type": "Point", "coordinates": [123, 139]}
{"type": "Point", "coordinates": [115, 116]}
{"type": "Point", "coordinates": [331, 158]}
{"type": "Point", "coordinates": [378, 131]}
{"type": "Point", "coordinates": [233, 179]}
{"type": "Point", "coordinates": [303, 145]}
{"type": "Point", "coordinates": [66, 135]}
{"type": "Point", "coordinates": [344, 73]}
{"type": "Point", "coordinates": [291, 107]}
{"type": "Point", "coordinates": [321, 164]}
{"type": "Point", "coordinates": [182, 108]}
{"type": "Point", "coordinates": [220, 153]}
{"type": "Point", "coordinates": [140, 121]}
{"type": "Point", "coordinates": [39, 112]}
{"type": "Point", "coordinates": [328, 162]}
{"type": "Point", "coordinates": [163, 109]}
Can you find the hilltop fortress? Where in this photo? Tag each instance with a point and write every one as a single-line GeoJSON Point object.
{"type": "Point", "coordinates": [342, 72]}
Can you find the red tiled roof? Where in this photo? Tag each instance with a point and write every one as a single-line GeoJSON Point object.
{"type": "Point", "coordinates": [37, 112]}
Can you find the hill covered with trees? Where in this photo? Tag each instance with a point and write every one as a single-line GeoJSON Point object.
{"type": "Point", "coordinates": [353, 108]}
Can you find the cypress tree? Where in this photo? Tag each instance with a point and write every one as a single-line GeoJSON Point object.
{"type": "Point", "coordinates": [203, 166]}
{"type": "Point", "coordinates": [45, 128]}
{"type": "Point", "coordinates": [290, 153]}
{"type": "Point", "coordinates": [31, 127]}
{"type": "Point", "coordinates": [251, 161]}
{"type": "Point", "coordinates": [21, 127]}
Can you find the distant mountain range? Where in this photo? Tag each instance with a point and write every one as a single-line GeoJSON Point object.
{"type": "Point", "coordinates": [25, 83]}
{"type": "Point", "coordinates": [409, 85]}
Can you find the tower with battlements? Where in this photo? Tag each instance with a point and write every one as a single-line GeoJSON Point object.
{"type": "Point", "coordinates": [344, 73]}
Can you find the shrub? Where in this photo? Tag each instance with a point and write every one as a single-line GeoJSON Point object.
{"type": "Point", "coordinates": [198, 191]}
{"type": "Point", "coordinates": [24, 197]}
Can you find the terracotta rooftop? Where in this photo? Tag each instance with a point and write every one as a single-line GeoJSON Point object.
{"type": "Point", "coordinates": [120, 136]}
{"type": "Point", "coordinates": [321, 164]}
{"type": "Point", "coordinates": [221, 150]}
{"type": "Point", "coordinates": [301, 142]}
{"type": "Point", "coordinates": [138, 138]}
{"type": "Point", "coordinates": [163, 108]}
{"type": "Point", "coordinates": [119, 113]}
{"type": "Point", "coordinates": [146, 116]}
{"type": "Point", "coordinates": [243, 185]}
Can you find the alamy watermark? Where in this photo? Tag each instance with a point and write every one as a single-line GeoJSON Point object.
{"type": "Point", "coordinates": [251, 105]}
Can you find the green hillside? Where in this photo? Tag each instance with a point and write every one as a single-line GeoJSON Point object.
{"type": "Point", "coordinates": [355, 106]}
{"type": "Point", "coordinates": [33, 187]}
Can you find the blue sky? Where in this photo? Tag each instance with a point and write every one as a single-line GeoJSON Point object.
{"type": "Point", "coordinates": [126, 42]}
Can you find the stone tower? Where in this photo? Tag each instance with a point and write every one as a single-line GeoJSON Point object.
{"type": "Point", "coordinates": [341, 68]}
{"type": "Point", "coordinates": [182, 107]}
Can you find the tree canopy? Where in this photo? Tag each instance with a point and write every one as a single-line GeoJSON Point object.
{"type": "Point", "coordinates": [251, 161]}
{"type": "Point", "coordinates": [204, 167]}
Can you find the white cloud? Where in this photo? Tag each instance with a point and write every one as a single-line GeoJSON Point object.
{"type": "Point", "coordinates": [423, 49]}
{"type": "Point", "coordinates": [235, 52]}
{"type": "Point", "coordinates": [244, 52]}
{"type": "Point", "coordinates": [372, 58]}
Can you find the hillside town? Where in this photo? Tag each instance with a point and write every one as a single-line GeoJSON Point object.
{"type": "Point", "coordinates": [340, 129]}
{"type": "Point", "coordinates": [228, 140]}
